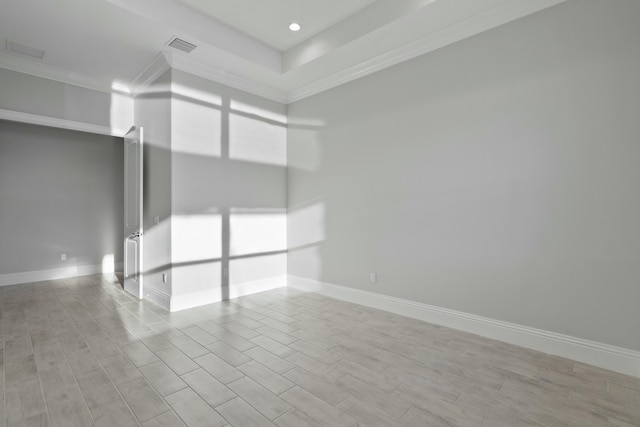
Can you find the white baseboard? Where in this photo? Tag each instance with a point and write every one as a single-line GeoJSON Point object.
{"type": "Point", "coordinates": [157, 296]}
{"type": "Point", "coordinates": [54, 274]}
{"type": "Point", "coordinates": [196, 299]}
{"type": "Point", "coordinates": [256, 286]}
{"type": "Point", "coordinates": [594, 353]}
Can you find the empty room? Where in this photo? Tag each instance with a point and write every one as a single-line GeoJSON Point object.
{"type": "Point", "coordinates": [320, 213]}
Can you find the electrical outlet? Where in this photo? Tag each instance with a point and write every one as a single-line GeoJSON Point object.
{"type": "Point", "coordinates": [373, 277]}
{"type": "Point", "coordinates": [63, 257]}
{"type": "Point", "coordinates": [156, 219]}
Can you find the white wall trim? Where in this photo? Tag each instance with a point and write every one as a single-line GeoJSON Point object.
{"type": "Point", "coordinates": [157, 296]}
{"type": "Point", "coordinates": [461, 30]}
{"type": "Point", "coordinates": [184, 63]}
{"type": "Point", "coordinates": [53, 274]}
{"type": "Point", "coordinates": [594, 353]}
{"type": "Point", "coordinates": [35, 119]}
{"type": "Point", "coordinates": [505, 12]}
{"type": "Point", "coordinates": [155, 69]}
{"type": "Point", "coordinates": [196, 299]}
{"type": "Point", "coordinates": [256, 286]}
{"type": "Point", "coordinates": [39, 69]}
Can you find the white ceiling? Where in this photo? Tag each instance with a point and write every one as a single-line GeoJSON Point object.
{"type": "Point", "coordinates": [241, 43]}
{"type": "Point", "coordinates": [268, 20]}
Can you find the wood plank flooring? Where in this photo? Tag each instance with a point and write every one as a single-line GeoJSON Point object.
{"type": "Point", "coordinates": [81, 352]}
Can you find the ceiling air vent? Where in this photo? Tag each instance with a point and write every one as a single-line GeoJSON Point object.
{"type": "Point", "coordinates": [182, 45]}
{"type": "Point", "coordinates": [23, 49]}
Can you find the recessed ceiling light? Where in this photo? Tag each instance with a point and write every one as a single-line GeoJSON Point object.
{"type": "Point", "coordinates": [294, 26]}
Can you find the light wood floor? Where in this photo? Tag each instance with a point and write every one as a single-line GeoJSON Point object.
{"type": "Point", "coordinates": [80, 352]}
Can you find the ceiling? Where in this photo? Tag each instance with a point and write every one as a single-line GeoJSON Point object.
{"type": "Point", "coordinates": [269, 20]}
{"type": "Point", "coordinates": [241, 43]}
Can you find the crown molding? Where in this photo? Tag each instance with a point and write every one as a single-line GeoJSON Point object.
{"type": "Point", "coordinates": [158, 66]}
{"type": "Point", "coordinates": [167, 60]}
{"type": "Point", "coordinates": [460, 30]}
{"type": "Point", "coordinates": [38, 69]}
{"type": "Point", "coordinates": [184, 63]}
{"type": "Point", "coordinates": [505, 12]}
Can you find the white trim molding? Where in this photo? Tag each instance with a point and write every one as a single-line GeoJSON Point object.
{"type": "Point", "coordinates": [196, 299]}
{"type": "Point", "coordinates": [461, 30]}
{"type": "Point", "coordinates": [35, 119]}
{"type": "Point", "coordinates": [261, 74]}
{"type": "Point", "coordinates": [257, 286]}
{"type": "Point", "coordinates": [158, 66]}
{"type": "Point", "coordinates": [157, 296]}
{"type": "Point", "coordinates": [605, 356]}
{"type": "Point", "coordinates": [183, 62]}
{"type": "Point", "coordinates": [267, 80]}
{"type": "Point", "coordinates": [53, 274]}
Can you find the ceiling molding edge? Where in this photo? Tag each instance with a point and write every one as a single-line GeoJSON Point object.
{"type": "Point", "coordinates": [25, 66]}
{"type": "Point", "coordinates": [35, 119]}
{"type": "Point", "coordinates": [459, 31]}
{"type": "Point", "coordinates": [484, 21]}
{"type": "Point", "coordinates": [208, 72]}
{"type": "Point", "coordinates": [158, 66]}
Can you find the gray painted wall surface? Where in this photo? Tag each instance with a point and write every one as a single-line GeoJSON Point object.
{"type": "Point", "coordinates": [61, 191]}
{"type": "Point", "coordinates": [228, 186]}
{"type": "Point", "coordinates": [215, 174]}
{"type": "Point", "coordinates": [35, 95]}
{"type": "Point", "coordinates": [153, 112]}
{"type": "Point", "coordinates": [497, 176]}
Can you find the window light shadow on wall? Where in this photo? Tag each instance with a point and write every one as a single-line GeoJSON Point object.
{"type": "Point", "coordinates": [108, 263]}
{"type": "Point", "coordinates": [257, 135]}
{"type": "Point", "coordinates": [257, 246]}
{"type": "Point", "coordinates": [121, 109]}
{"type": "Point", "coordinates": [307, 223]}
{"type": "Point", "coordinates": [254, 231]}
{"type": "Point", "coordinates": [307, 151]}
{"type": "Point", "coordinates": [306, 229]}
{"type": "Point", "coordinates": [195, 127]}
{"type": "Point", "coordinates": [228, 220]}
{"type": "Point", "coordinates": [196, 251]}
{"type": "Point", "coordinates": [196, 237]}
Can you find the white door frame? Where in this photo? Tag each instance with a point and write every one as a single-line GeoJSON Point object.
{"type": "Point", "coordinates": [133, 213]}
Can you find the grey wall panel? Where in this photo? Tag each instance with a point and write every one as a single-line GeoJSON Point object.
{"type": "Point", "coordinates": [497, 176]}
{"type": "Point", "coordinates": [60, 192]}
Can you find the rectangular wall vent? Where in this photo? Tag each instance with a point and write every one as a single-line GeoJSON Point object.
{"type": "Point", "coordinates": [23, 49]}
{"type": "Point", "coordinates": [182, 45]}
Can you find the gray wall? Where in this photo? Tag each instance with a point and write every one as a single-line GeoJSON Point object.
{"type": "Point", "coordinates": [497, 176]}
{"type": "Point", "coordinates": [35, 95]}
{"type": "Point", "coordinates": [61, 191]}
{"type": "Point", "coordinates": [153, 113]}
{"type": "Point", "coordinates": [228, 187]}
{"type": "Point", "coordinates": [215, 175]}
